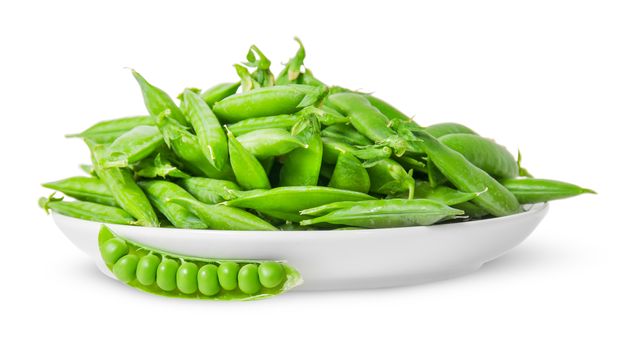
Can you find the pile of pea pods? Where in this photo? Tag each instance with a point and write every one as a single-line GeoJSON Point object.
{"type": "Point", "coordinates": [289, 152]}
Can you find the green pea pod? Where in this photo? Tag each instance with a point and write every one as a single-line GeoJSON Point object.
{"type": "Point", "coordinates": [158, 166]}
{"type": "Point", "coordinates": [349, 174]}
{"type": "Point", "coordinates": [325, 116]}
{"type": "Point", "coordinates": [219, 92]}
{"type": "Point", "coordinates": [269, 142]}
{"type": "Point", "coordinates": [210, 134]}
{"type": "Point", "coordinates": [436, 178]}
{"type": "Point", "coordinates": [221, 217]}
{"type": "Point", "coordinates": [158, 101]}
{"type": "Point", "coordinates": [160, 193]}
{"type": "Point", "coordinates": [248, 170]}
{"type": "Point", "coordinates": [389, 177]}
{"type": "Point", "coordinates": [293, 199]}
{"type": "Point", "coordinates": [186, 146]}
{"type": "Point", "coordinates": [412, 163]}
{"type": "Point", "coordinates": [89, 189]}
{"type": "Point", "coordinates": [125, 190]}
{"type": "Point", "coordinates": [190, 277]}
{"type": "Point", "coordinates": [333, 148]}
{"type": "Point", "coordinates": [209, 191]}
{"type": "Point", "coordinates": [87, 211]}
{"type": "Point", "coordinates": [531, 190]}
{"type": "Point", "coordinates": [471, 210]}
{"type": "Point", "coordinates": [269, 101]}
{"type": "Point", "coordinates": [132, 146]}
{"type": "Point", "coordinates": [388, 110]}
{"type": "Point", "coordinates": [292, 70]}
{"type": "Point", "coordinates": [301, 167]}
{"type": "Point", "coordinates": [443, 194]}
{"type": "Point", "coordinates": [346, 133]}
{"type": "Point", "coordinates": [466, 177]}
{"type": "Point", "coordinates": [388, 213]}
{"type": "Point", "coordinates": [369, 121]}
{"type": "Point", "coordinates": [107, 131]}
{"type": "Point", "coordinates": [441, 129]}
{"type": "Point", "coordinates": [486, 154]}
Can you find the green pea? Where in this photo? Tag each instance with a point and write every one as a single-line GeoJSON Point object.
{"type": "Point", "coordinates": [271, 274]}
{"type": "Point", "coordinates": [113, 249]}
{"type": "Point", "coordinates": [147, 269]}
{"type": "Point", "coordinates": [207, 280]}
{"type": "Point", "coordinates": [248, 279]}
{"type": "Point", "coordinates": [227, 274]}
{"type": "Point", "coordinates": [186, 278]}
{"type": "Point", "coordinates": [166, 274]}
{"type": "Point", "coordinates": [124, 268]}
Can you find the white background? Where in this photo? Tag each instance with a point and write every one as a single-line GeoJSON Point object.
{"type": "Point", "coordinates": [541, 76]}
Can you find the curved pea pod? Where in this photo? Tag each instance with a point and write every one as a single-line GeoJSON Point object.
{"type": "Point", "coordinates": [89, 189]}
{"type": "Point", "coordinates": [158, 166]}
{"type": "Point", "coordinates": [346, 133]}
{"type": "Point", "coordinates": [486, 154]}
{"type": "Point", "coordinates": [219, 92]}
{"type": "Point", "coordinates": [301, 166]}
{"type": "Point", "coordinates": [388, 213]}
{"type": "Point", "coordinates": [270, 142]}
{"type": "Point", "coordinates": [369, 121]}
{"type": "Point", "coordinates": [87, 211]}
{"type": "Point", "coordinates": [441, 129]}
{"type": "Point", "coordinates": [125, 190]}
{"type": "Point", "coordinates": [132, 146]}
{"type": "Point", "coordinates": [220, 217]}
{"type": "Point", "coordinates": [160, 192]}
{"type": "Point", "coordinates": [209, 191]}
{"type": "Point", "coordinates": [531, 190]}
{"type": "Point", "coordinates": [210, 134]}
{"type": "Point", "coordinates": [107, 131]}
{"type": "Point", "coordinates": [248, 170]}
{"type": "Point", "coordinates": [388, 110]}
{"type": "Point", "coordinates": [171, 275]}
{"type": "Point", "coordinates": [349, 174]}
{"type": "Point", "coordinates": [186, 146]}
{"type": "Point", "coordinates": [443, 194]}
{"type": "Point", "coordinates": [389, 177]}
{"type": "Point", "coordinates": [274, 100]}
{"type": "Point", "coordinates": [287, 202]}
{"type": "Point", "coordinates": [333, 148]}
{"type": "Point", "coordinates": [158, 101]}
{"type": "Point", "coordinates": [466, 177]}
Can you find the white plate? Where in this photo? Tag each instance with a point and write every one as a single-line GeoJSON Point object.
{"type": "Point", "coordinates": [347, 259]}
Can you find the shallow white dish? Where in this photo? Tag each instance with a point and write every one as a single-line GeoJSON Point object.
{"type": "Point", "coordinates": [345, 259]}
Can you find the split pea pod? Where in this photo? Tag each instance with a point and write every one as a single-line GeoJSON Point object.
{"type": "Point", "coordinates": [247, 169]}
{"type": "Point", "coordinates": [87, 211]}
{"type": "Point", "coordinates": [158, 101]}
{"type": "Point", "coordinates": [532, 190]}
{"type": "Point", "coordinates": [266, 143]}
{"type": "Point", "coordinates": [268, 101]}
{"type": "Point", "coordinates": [349, 174]}
{"type": "Point", "coordinates": [166, 274]}
{"type": "Point", "coordinates": [388, 213]}
{"type": "Point", "coordinates": [219, 92]}
{"type": "Point", "coordinates": [301, 166]}
{"type": "Point", "coordinates": [161, 192]}
{"type": "Point", "coordinates": [467, 177]}
{"type": "Point", "coordinates": [89, 189]}
{"type": "Point", "coordinates": [209, 191]}
{"type": "Point", "coordinates": [107, 131]}
{"type": "Point", "coordinates": [210, 134]}
{"type": "Point", "coordinates": [132, 146]}
{"type": "Point", "coordinates": [486, 154]}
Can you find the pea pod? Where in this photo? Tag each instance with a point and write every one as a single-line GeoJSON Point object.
{"type": "Point", "coordinates": [531, 190]}
{"type": "Point", "coordinates": [388, 213]}
{"type": "Point", "coordinates": [219, 92]}
{"type": "Point", "coordinates": [486, 154]}
{"type": "Point", "coordinates": [346, 133]}
{"type": "Point", "coordinates": [441, 129]}
{"type": "Point", "coordinates": [443, 194]}
{"type": "Point", "coordinates": [388, 110]}
{"type": "Point", "coordinates": [349, 174]}
{"type": "Point", "coordinates": [333, 148]}
{"type": "Point", "coordinates": [158, 166]}
{"type": "Point", "coordinates": [158, 101]}
{"type": "Point", "coordinates": [89, 189]}
{"type": "Point", "coordinates": [248, 170]}
{"type": "Point", "coordinates": [87, 211]}
{"type": "Point", "coordinates": [325, 116]}
{"type": "Point", "coordinates": [160, 193]}
{"type": "Point", "coordinates": [210, 134]}
{"type": "Point", "coordinates": [220, 217]}
{"type": "Point", "coordinates": [209, 191]}
{"type": "Point", "coordinates": [301, 167]}
{"type": "Point", "coordinates": [466, 177]}
{"type": "Point", "coordinates": [389, 177]}
{"type": "Point", "coordinates": [107, 131]}
{"type": "Point", "coordinates": [132, 146]}
{"type": "Point", "coordinates": [274, 100]}
{"type": "Point", "coordinates": [269, 142]}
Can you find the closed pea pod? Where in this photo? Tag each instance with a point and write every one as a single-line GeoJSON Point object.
{"type": "Point", "coordinates": [158, 166]}
{"type": "Point", "coordinates": [441, 129]}
{"type": "Point", "coordinates": [87, 211]}
{"type": "Point", "coordinates": [531, 190]}
{"type": "Point", "coordinates": [161, 192]}
{"type": "Point", "coordinates": [349, 174]}
{"type": "Point", "coordinates": [158, 101]}
{"type": "Point", "coordinates": [132, 146]}
{"type": "Point", "coordinates": [166, 274]}
{"type": "Point", "coordinates": [219, 92]}
{"type": "Point", "coordinates": [388, 110]}
{"type": "Point", "coordinates": [282, 121]}
{"type": "Point", "coordinates": [89, 189]}
{"type": "Point", "coordinates": [124, 269]}
{"type": "Point", "coordinates": [248, 170]}
{"type": "Point", "coordinates": [209, 191]}
{"type": "Point", "coordinates": [186, 278]}
{"type": "Point", "coordinates": [107, 131]}
{"type": "Point", "coordinates": [147, 267]}
{"type": "Point", "coordinates": [390, 178]}
{"type": "Point", "coordinates": [443, 194]}
{"type": "Point", "coordinates": [270, 142]}
{"type": "Point", "coordinates": [346, 133]}
{"type": "Point", "coordinates": [332, 148]}
{"type": "Point", "coordinates": [301, 167]}
{"type": "Point", "coordinates": [248, 279]}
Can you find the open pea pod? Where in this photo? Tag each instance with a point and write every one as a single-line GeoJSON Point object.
{"type": "Point", "coordinates": [161, 273]}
